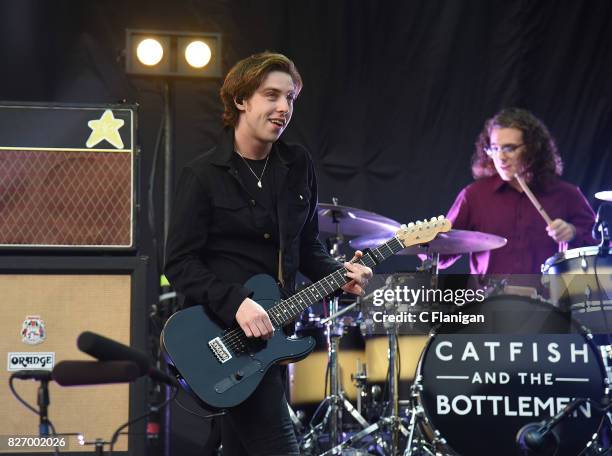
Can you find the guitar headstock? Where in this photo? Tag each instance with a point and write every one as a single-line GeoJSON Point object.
{"type": "Point", "coordinates": [422, 232]}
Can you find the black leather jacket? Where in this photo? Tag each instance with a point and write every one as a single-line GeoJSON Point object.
{"type": "Point", "coordinates": [217, 234]}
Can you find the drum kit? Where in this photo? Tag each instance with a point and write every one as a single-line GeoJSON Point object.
{"type": "Point", "coordinates": [531, 381]}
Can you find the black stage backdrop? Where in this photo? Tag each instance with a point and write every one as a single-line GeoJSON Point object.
{"type": "Point", "coordinates": [395, 91]}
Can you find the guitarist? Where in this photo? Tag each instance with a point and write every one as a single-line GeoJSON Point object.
{"type": "Point", "coordinates": [248, 206]}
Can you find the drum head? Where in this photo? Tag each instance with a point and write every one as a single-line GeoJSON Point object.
{"type": "Point", "coordinates": [581, 280]}
{"type": "Point", "coordinates": [478, 390]}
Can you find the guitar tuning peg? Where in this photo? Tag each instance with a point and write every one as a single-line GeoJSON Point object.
{"type": "Point", "coordinates": [403, 226]}
{"type": "Point", "coordinates": [411, 224]}
{"type": "Point", "coordinates": [418, 222]}
{"type": "Point", "coordinates": [440, 217]}
{"type": "Point", "coordinates": [433, 219]}
{"type": "Point", "coordinates": [424, 220]}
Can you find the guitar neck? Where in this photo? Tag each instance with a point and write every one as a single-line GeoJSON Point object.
{"type": "Point", "coordinates": [288, 309]}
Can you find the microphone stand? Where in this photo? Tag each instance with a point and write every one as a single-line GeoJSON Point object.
{"type": "Point", "coordinates": [538, 439]}
{"type": "Point", "coordinates": [43, 404]}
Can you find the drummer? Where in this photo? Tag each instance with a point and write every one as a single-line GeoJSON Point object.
{"type": "Point", "coordinates": [514, 142]}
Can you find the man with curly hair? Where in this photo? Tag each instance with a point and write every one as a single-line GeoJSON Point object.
{"type": "Point", "coordinates": [513, 142]}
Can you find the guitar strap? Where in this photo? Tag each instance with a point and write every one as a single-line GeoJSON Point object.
{"type": "Point", "coordinates": [282, 211]}
{"type": "Point", "coordinates": [280, 267]}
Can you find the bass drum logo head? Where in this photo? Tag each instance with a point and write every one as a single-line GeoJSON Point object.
{"type": "Point", "coordinates": [479, 389]}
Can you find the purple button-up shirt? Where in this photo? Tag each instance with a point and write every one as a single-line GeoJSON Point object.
{"type": "Point", "coordinates": [492, 206]}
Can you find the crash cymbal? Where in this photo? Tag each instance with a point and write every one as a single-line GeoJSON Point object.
{"type": "Point", "coordinates": [354, 222]}
{"type": "Point", "coordinates": [453, 242]}
{"type": "Point", "coordinates": [604, 196]}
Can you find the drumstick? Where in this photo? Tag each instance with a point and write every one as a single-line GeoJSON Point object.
{"type": "Point", "coordinates": [533, 199]}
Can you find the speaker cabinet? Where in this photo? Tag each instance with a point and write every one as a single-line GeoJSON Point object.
{"type": "Point", "coordinates": [67, 176]}
{"type": "Point", "coordinates": [46, 303]}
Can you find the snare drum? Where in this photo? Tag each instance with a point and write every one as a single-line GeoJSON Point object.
{"type": "Point", "coordinates": [581, 280]}
{"type": "Point", "coordinates": [479, 388]}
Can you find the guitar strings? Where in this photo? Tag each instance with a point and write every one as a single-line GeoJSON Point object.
{"type": "Point", "coordinates": [236, 339]}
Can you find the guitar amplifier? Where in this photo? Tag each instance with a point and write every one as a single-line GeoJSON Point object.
{"type": "Point", "coordinates": [67, 176]}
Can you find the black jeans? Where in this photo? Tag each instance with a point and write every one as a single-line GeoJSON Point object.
{"type": "Point", "coordinates": [261, 425]}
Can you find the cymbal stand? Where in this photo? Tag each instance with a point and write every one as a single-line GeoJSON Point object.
{"type": "Point", "coordinates": [430, 264]}
{"type": "Point", "coordinates": [394, 389]}
{"type": "Point", "coordinates": [335, 242]}
{"type": "Point", "coordinates": [336, 402]}
{"type": "Point", "coordinates": [334, 332]}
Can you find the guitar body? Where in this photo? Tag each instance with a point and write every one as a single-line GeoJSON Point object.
{"type": "Point", "coordinates": [186, 339]}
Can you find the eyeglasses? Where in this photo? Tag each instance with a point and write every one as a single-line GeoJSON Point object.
{"type": "Point", "coordinates": [508, 149]}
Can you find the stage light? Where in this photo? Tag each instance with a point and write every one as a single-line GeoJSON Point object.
{"type": "Point", "coordinates": [197, 54]}
{"type": "Point", "coordinates": [149, 51]}
{"type": "Point", "coordinates": [173, 54]}
{"type": "Point", "coordinates": [177, 54]}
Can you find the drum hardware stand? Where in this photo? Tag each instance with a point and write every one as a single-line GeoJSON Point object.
{"type": "Point", "coordinates": [336, 401]}
{"type": "Point", "coordinates": [417, 446]}
{"type": "Point", "coordinates": [415, 414]}
{"type": "Point", "coordinates": [371, 429]}
{"type": "Point", "coordinates": [392, 422]}
{"type": "Point", "coordinates": [606, 354]}
{"type": "Point", "coordinates": [334, 242]}
{"type": "Point", "coordinates": [601, 232]}
{"type": "Point", "coordinates": [394, 389]}
{"type": "Point", "coordinates": [337, 314]}
{"type": "Point", "coordinates": [296, 419]}
{"type": "Point", "coordinates": [360, 378]}
{"type": "Point", "coordinates": [334, 332]}
{"type": "Point", "coordinates": [430, 265]}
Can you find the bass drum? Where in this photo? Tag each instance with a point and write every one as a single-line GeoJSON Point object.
{"type": "Point", "coordinates": [482, 382]}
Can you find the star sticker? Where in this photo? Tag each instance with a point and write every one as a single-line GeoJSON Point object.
{"type": "Point", "coordinates": [106, 127]}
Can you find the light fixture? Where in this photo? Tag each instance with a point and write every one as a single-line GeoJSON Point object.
{"type": "Point", "coordinates": [174, 54]}
{"type": "Point", "coordinates": [197, 54]}
{"type": "Point", "coordinates": [149, 51]}
{"type": "Point", "coordinates": [168, 55]}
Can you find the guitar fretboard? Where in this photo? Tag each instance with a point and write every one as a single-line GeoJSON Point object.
{"type": "Point", "coordinates": [288, 309]}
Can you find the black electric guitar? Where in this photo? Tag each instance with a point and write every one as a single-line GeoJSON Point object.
{"type": "Point", "coordinates": [222, 367]}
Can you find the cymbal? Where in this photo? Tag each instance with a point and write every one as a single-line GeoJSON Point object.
{"type": "Point", "coordinates": [453, 242]}
{"type": "Point", "coordinates": [604, 196]}
{"type": "Point", "coordinates": [354, 222]}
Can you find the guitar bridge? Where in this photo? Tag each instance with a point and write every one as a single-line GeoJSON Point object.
{"type": "Point", "coordinates": [219, 350]}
